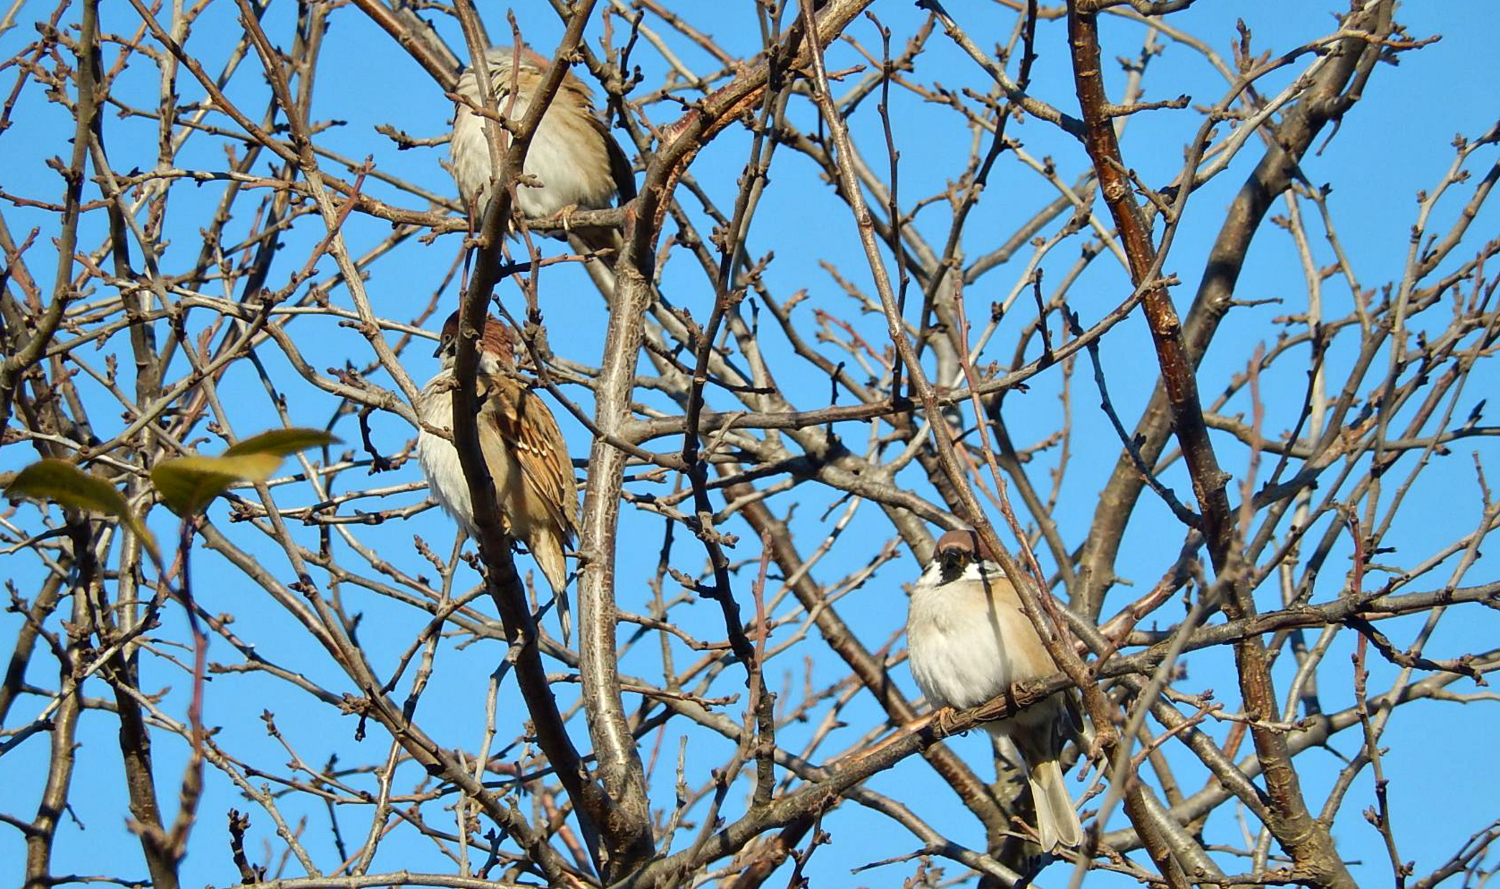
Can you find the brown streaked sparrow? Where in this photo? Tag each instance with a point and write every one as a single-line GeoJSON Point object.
{"type": "Point", "coordinates": [523, 450]}
{"type": "Point", "coordinates": [968, 641]}
{"type": "Point", "coordinates": [578, 164]}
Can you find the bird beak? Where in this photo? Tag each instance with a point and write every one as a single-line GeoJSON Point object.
{"type": "Point", "coordinates": [952, 562]}
{"type": "Point", "coordinates": [442, 344]}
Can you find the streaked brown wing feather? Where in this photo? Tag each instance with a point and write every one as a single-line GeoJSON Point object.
{"type": "Point", "coordinates": [527, 425]}
{"type": "Point", "coordinates": [619, 162]}
{"type": "Point", "coordinates": [493, 446]}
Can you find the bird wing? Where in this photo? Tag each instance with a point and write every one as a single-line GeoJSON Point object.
{"type": "Point", "coordinates": [528, 427]}
{"type": "Point", "coordinates": [619, 164]}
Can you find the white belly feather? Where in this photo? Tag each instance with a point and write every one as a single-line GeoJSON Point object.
{"type": "Point", "coordinates": [438, 457]}
{"type": "Point", "coordinates": [958, 655]}
{"type": "Point", "coordinates": [567, 157]}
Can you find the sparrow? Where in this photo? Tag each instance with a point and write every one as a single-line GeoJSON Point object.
{"type": "Point", "coordinates": [523, 450]}
{"type": "Point", "coordinates": [578, 164]}
{"type": "Point", "coordinates": [968, 641]}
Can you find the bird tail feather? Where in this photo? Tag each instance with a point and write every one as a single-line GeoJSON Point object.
{"type": "Point", "coordinates": [547, 549]}
{"type": "Point", "coordinates": [1056, 820]}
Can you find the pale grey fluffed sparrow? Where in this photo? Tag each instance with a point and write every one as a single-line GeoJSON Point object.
{"type": "Point", "coordinates": [578, 164]}
{"type": "Point", "coordinates": [968, 641]}
{"type": "Point", "coordinates": [523, 449]}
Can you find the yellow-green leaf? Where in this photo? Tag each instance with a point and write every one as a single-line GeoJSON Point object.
{"type": "Point", "coordinates": [281, 442]}
{"type": "Point", "coordinates": [188, 484]}
{"type": "Point", "coordinates": [67, 485]}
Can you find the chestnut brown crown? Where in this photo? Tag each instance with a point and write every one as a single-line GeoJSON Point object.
{"type": "Point", "coordinates": [498, 340]}
{"type": "Point", "coordinates": [956, 549]}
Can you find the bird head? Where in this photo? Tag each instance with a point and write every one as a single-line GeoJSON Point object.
{"type": "Point", "coordinates": [496, 346]}
{"type": "Point", "coordinates": [957, 550]}
{"type": "Point", "coordinates": [529, 68]}
{"type": "Point", "coordinates": [500, 59]}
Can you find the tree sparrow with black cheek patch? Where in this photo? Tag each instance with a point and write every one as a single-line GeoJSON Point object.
{"type": "Point", "coordinates": [968, 641]}
{"type": "Point", "coordinates": [523, 450]}
{"type": "Point", "coordinates": [574, 158]}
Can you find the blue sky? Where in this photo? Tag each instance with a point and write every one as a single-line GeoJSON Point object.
{"type": "Point", "coordinates": [1395, 143]}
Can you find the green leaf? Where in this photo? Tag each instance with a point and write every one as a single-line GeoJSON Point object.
{"type": "Point", "coordinates": [281, 442]}
{"type": "Point", "coordinates": [189, 484]}
{"type": "Point", "coordinates": [66, 485]}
